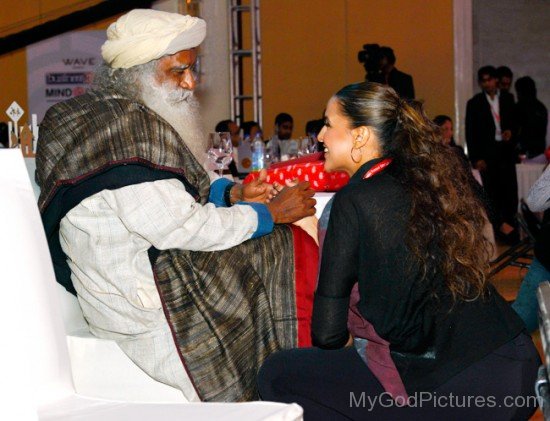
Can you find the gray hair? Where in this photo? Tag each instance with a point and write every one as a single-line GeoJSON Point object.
{"type": "Point", "coordinates": [176, 105]}
{"type": "Point", "coordinates": [126, 81]}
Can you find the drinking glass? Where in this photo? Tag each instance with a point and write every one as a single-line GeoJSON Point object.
{"type": "Point", "coordinates": [303, 147]}
{"type": "Point", "coordinates": [308, 145]}
{"type": "Point", "coordinates": [220, 150]}
{"type": "Point", "coordinates": [312, 142]}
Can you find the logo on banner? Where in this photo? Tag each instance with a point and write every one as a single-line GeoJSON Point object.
{"type": "Point", "coordinates": [62, 67]}
{"type": "Point", "coordinates": [69, 78]}
{"type": "Point", "coordinates": [81, 79]}
{"type": "Point", "coordinates": [79, 62]}
{"type": "Point", "coordinates": [65, 92]}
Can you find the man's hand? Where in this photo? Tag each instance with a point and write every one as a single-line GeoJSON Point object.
{"type": "Point", "coordinates": [480, 165]}
{"type": "Point", "coordinates": [258, 190]}
{"type": "Point", "coordinates": [292, 204]}
{"type": "Point", "coordinates": [506, 135]}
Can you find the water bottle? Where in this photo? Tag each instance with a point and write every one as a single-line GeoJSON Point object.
{"type": "Point", "coordinates": [258, 153]}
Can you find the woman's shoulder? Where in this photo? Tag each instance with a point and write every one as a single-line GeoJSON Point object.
{"type": "Point", "coordinates": [381, 186]}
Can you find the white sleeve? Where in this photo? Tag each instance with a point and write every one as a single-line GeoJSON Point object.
{"type": "Point", "coordinates": [538, 198]}
{"type": "Point", "coordinates": [168, 217]}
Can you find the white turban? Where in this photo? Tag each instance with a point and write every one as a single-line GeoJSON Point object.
{"type": "Point", "coordinates": [143, 35]}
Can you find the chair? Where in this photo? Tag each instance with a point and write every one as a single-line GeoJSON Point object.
{"type": "Point", "coordinates": [35, 359]}
{"type": "Point", "coordinates": [99, 367]}
{"type": "Point", "coordinates": [529, 221]}
{"type": "Point", "coordinates": [542, 386]}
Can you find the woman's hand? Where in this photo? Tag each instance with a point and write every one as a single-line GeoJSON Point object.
{"type": "Point", "coordinates": [257, 191]}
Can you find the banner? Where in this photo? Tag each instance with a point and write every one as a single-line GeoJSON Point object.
{"type": "Point", "coordinates": [61, 67]}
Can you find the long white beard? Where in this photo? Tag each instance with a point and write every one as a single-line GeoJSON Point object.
{"type": "Point", "coordinates": [180, 109]}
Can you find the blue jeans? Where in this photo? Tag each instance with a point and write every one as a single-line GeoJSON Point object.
{"type": "Point", "coordinates": [526, 305]}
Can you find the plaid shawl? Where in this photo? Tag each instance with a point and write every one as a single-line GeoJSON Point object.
{"type": "Point", "coordinates": [226, 318]}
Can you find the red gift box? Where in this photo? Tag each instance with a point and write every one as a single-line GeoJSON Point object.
{"type": "Point", "coordinates": [308, 168]}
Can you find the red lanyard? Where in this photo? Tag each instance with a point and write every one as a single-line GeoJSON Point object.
{"type": "Point", "coordinates": [496, 115]}
{"type": "Point", "coordinates": [377, 168]}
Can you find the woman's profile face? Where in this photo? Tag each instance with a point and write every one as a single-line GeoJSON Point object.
{"type": "Point", "coordinates": [337, 139]}
{"type": "Point", "coordinates": [447, 132]}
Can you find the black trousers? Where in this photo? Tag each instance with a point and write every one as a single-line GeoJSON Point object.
{"type": "Point", "coordinates": [500, 182]}
{"type": "Point", "coordinates": [337, 385]}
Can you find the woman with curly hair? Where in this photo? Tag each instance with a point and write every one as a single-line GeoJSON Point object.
{"type": "Point", "coordinates": [405, 322]}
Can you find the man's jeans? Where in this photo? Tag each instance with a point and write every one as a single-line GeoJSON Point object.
{"type": "Point", "coordinates": [526, 302]}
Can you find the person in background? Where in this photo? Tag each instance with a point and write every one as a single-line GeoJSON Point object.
{"type": "Point", "coordinates": [401, 82]}
{"type": "Point", "coordinates": [250, 130]}
{"type": "Point", "coordinates": [314, 127]}
{"type": "Point", "coordinates": [490, 125]}
{"type": "Point", "coordinates": [231, 127]}
{"type": "Point", "coordinates": [281, 143]}
{"type": "Point", "coordinates": [532, 118]}
{"type": "Point", "coordinates": [445, 124]}
{"type": "Point", "coordinates": [403, 282]}
{"type": "Point", "coordinates": [505, 78]}
{"type": "Point", "coordinates": [526, 304]}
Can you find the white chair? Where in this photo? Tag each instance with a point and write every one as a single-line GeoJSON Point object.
{"type": "Point", "coordinates": [37, 377]}
{"type": "Point", "coordinates": [542, 386]}
{"type": "Point", "coordinates": [99, 367]}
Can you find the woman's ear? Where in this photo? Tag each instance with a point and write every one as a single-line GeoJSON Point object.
{"type": "Point", "coordinates": [361, 136]}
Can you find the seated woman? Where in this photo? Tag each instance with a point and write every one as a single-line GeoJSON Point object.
{"type": "Point", "coordinates": [445, 124]}
{"type": "Point", "coordinates": [502, 230]}
{"type": "Point", "coordinates": [403, 278]}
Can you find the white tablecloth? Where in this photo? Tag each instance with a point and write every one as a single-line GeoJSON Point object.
{"type": "Point", "coordinates": [527, 175]}
{"type": "Point", "coordinates": [322, 199]}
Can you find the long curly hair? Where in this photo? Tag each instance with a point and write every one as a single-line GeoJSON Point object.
{"type": "Point", "coordinates": [445, 225]}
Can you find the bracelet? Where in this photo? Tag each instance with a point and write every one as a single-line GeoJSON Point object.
{"type": "Point", "coordinates": [227, 194]}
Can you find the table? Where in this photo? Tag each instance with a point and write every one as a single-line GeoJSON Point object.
{"type": "Point", "coordinates": [527, 174]}
{"type": "Point", "coordinates": [322, 199]}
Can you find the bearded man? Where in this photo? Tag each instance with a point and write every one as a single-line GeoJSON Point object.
{"type": "Point", "coordinates": [158, 257]}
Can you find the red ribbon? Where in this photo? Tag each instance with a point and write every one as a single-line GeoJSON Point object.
{"type": "Point", "coordinates": [377, 168]}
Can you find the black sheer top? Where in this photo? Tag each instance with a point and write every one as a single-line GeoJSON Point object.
{"type": "Point", "coordinates": [431, 339]}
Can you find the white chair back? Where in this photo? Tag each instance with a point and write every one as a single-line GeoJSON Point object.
{"type": "Point", "coordinates": [36, 357]}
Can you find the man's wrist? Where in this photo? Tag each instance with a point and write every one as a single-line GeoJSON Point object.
{"type": "Point", "coordinates": [227, 194]}
{"type": "Point", "coordinates": [235, 194]}
{"type": "Point", "coordinates": [232, 194]}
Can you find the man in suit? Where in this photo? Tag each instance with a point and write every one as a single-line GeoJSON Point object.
{"type": "Point", "coordinates": [505, 78]}
{"type": "Point", "coordinates": [398, 80]}
{"type": "Point", "coordinates": [491, 146]}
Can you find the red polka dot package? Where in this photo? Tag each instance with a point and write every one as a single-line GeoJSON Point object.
{"type": "Point", "coordinates": [308, 168]}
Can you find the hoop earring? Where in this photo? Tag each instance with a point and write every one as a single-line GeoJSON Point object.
{"type": "Point", "coordinates": [360, 155]}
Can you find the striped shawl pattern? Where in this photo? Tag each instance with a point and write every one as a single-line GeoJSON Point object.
{"type": "Point", "coordinates": [228, 310]}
